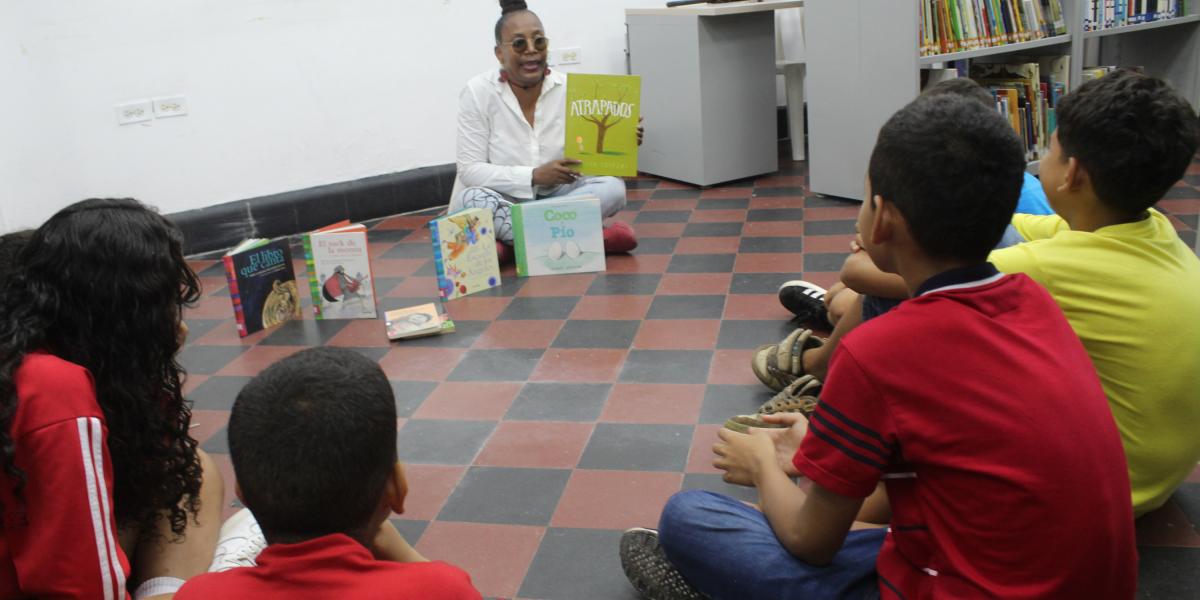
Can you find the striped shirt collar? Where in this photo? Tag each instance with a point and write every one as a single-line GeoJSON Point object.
{"type": "Point", "coordinates": [961, 278]}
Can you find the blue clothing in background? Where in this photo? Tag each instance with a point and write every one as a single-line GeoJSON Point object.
{"type": "Point", "coordinates": [1033, 198]}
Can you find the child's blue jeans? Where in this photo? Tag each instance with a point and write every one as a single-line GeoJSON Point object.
{"type": "Point", "coordinates": [727, 550]}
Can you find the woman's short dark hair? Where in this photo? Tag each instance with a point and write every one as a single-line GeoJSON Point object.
{"type": "Point", "coordinates": [509, 8]}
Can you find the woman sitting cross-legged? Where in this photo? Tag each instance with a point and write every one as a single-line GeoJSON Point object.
{"type": "Point", "coordinates": [510, 136]}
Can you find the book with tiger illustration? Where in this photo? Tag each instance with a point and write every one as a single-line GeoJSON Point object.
{"type": "Point", "coordinates": [262, 284]}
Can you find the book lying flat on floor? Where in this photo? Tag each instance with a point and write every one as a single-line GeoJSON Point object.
{"type": "Point", "coordinates": [262, 284]}
{"type": "Point", "coordinates": [339, 272]}
{"type": "Point", "coordinates": [417, 321]}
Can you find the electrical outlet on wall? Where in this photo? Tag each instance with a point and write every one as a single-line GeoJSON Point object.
{"type": "Point", "coordinates": [135, 111]}
{"type": "Point", "coordinates": [170, 106]}
{"type": "Point", "coordinates": [568, 56]}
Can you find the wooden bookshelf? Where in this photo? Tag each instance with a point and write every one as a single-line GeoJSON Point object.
{"type": "Point", "coordinates": [863, 64]}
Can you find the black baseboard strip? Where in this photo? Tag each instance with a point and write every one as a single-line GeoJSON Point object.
{"type": "Point", "coordinates": [290, 213]}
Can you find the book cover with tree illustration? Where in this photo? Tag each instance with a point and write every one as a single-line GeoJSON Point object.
{"type": "Point", "coordinates": [602, 120]}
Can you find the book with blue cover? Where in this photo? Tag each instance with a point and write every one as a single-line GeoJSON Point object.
{"type": "Point", "coordinates": [262, 284]}
{"type": "Point", "coordinates": [558, 235]}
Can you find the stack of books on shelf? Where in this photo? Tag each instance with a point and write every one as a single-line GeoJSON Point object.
{"type": "Point", "coordinates": [957, 25]}
{"type": "Point", "coordinates": [1027, 94]}
{"type": "Point", "coordinates": [1106, 14]}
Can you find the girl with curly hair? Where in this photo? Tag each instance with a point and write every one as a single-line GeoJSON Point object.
{"type": "Point", "coordinates": [103, 490]}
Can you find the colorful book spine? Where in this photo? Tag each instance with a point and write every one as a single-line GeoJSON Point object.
{"type": "Point", "coordinates": [310, 267]}
{"type": "Point", "coordinates": [239, 314]}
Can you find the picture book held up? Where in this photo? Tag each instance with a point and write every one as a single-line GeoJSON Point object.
{"type": "Point", "coordinates": [602, 121]}
{"type": "Point", "coordinates": [339, 272]}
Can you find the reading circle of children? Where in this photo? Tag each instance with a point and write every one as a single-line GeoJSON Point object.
{"type": "Point", "coordinates": [582, 151]}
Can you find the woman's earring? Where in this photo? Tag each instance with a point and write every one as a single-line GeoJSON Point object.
{"type": "Point", "coordinates": [503, 76]}
{"type": "Point", "coordinates": [547, 71]}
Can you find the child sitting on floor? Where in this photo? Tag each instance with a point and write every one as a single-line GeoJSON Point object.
{"type": "Point", "coordinates": [313, 443]}
{"type": "Point", "coordinates": [973, 403]}
{"type": "Point", "coordinates": [1117, 268]}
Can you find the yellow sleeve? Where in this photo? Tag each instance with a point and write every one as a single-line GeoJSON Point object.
{"type": "Point", "coordinates": [1038, 227]}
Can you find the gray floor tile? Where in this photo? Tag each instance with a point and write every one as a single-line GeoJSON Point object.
{"type": "Point", "coordinates": [656, 245]}
{"type": "Point", "coordinates": [666, 366]}
{"type": "Point", "coordinates": [206, 360]}
{"type": "Point", "coordinates": [824, 262]}
{"type": "Point", "coordinates": [410, 530]}
{"type": "Point", "coordinates": [637, 447]}
{"type": "Point", "coordinates": [596, 334]}
{"type": "Point", "coordinates": [305, 332]}
{"type": "Point", "coordinates": [442, 442]}
{"type": "Point", "coordinates": [701, 263]}
{"type": "Point", "coordinates": [839, 227]}
{"type": "Point", "coordinates": [507, 496]}
{"type": "Point", "coordinates": [496, 365]}
{"type": "Point", "coordinates": [724, 204]}
{"type": "Point", "coordinates": [1168, 573]}
{"type": "Point", "coordinates": [742, 335]}
{"type": "Point", "coordinates": [675, 194]}
{"type": "Point", "coordinates": [218, 443]}
{"type": "Point", "coordinates": [686, 307]}
{"type": "Point", "coordinates": [713, 230]}
{"type": "Point", "coordinates": [410, 394]}
{"type": "Point", "coordinates": [217, 393]}
{"type": "Point", "coordinates": [577, 564]}
{"type": "Point", "coordinates": [550, 307]}
{"type": "Point", "coordinates": [778, 191]}
{"type": "Point", "coordinates": [724, 401]}
{"type": "Point", "coordinates": [758, 245]}
{"type": "Point", "coordinates": [559, 402]}
{"type": "Point", "coordinates": [775, 214]}
{"type": "Point", "coordinates": [619, 284]}
{"type": "Point", "coordinates": [762, 283]}
{"type": "Point", "coordinates": [663, 216]}
{"type": "Point", "coordinates": [409, 250]}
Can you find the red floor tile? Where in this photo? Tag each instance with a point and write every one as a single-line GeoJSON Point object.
{"type": "Point", "coordinates": [211, 307]}
{"type": "Point", "coordinates": [1181, 207]}
{"type": "Point", "coordinates": [557, 285]}
{"type": "Point", "coordinates": [612, 307]}
{"type": "Point", "coordinates": [375, 250]}
{"type": "Point", "coordinates": [226, 334]}
{"type": "Point", "coordinates": [726, 193]}
{"type": "Point", "coordinates": [472, 401]}
{"type": "Point", "coordinates": [536, 444]}
{"type": "Point", "coordinates": [700, 457]}
{"type": "Point", "coordinates": [828, 243]}
{"type": "Point", "coordinates": [638, 263]}
{"type": "Point", "coordinates": [677, 334]}
{"type": "Point", "coordinates": [708, 245]}
{"type": "Point", "coordinates": [253, 361]}
{"type": "Point", "coordinates": [774, 229]}
{"type": "Point", "coordinates": [405, 222]}
{"type": "Point", "coordinates": [420, 364]}
{"type": "Point", "coordinates": [429, 486]}
{"type": "Point", "coordinates": [191, 382]}
{"type": "Point", "coordinates": [362, 333]}
{"type": "Point", "coordinates": [696, 283]}
{"type": "Point", "coordinates": [579, 365]}
{"type": "Point", "coordinates": [827, 213]}
{"type": "Point", "coordinates": [633, 195]}
{"type": "Point", "coordinates": [476, 308]}
{"type": "Point", "coordinates": [777, 202]}
{"type": "Point", "coordinates": [654, 403]}
{"type": "Point", "coordinates": [769, 262]}
{"type": "Point", "coordinates": [733, 367]}
{"type": "Point", "coordinates": [207, 422]}
{"type": "Point", "coordinates": [419, 235]}
{"type": "Point", "coordinates": [415, 287]}
{"type": "Point", "coordinates": [718, 216]}
{"type": "Point", "coordinates": [496, 556]}
{"type": "Point", "coordinates": [667, 184]}
{"type": "Point", "coordinates": [780, 181]}
{"type": "Point", "coordinates": [519, 334]}
{"type": "Point", "coordinates": [755, 306]}
{"type": "Point", "coordinates": [209, 285]}
{"type": "Point", "coordinates": [398, 267]}
{"type": "Point", "coordinates": [614, 499]}
{"type": "Point", "coordinates": [825, 280]}
{"type": "Point", "coordinates": [675, 204]}
{"type": "Point", "coordinates": [1167, 526]}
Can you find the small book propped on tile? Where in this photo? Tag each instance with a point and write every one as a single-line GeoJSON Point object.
{"type": "Point", "coordinates": [339, 272]}
{"type": "Point", "coordinates": [262, 284]}
{"type": "Point", "coordinates": [417, 321]}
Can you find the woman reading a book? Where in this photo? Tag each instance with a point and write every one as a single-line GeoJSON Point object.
{"type": "Point", "coordinates": [103, 490]}
{"type": "Point", "coordinates": [510, 135]}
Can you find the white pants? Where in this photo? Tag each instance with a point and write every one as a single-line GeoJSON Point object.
{"type": "Point", "coordinates": [610, 191]}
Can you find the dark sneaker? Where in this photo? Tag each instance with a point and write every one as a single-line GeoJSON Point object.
{"type": "Point", "coordinates": [806, 301]}
{"type": "Point", "coordinates": [648, 569]}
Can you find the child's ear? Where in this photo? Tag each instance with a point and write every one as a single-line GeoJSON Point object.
{"type": "Point", "coordinates": [1074, 176]}
{"type": "Point", "coordinates": [879, 229]}
{"type": "Point", "coordinates": [396, 489]}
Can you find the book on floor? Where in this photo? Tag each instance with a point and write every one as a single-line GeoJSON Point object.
{"type": "Point", "coordinates": [602, 121]}
{"type": "Point", "coordinates": [339, 272]}
{"type": "Point", "coordinates": [558, 236]}
{"type": "Point", "coordinates": [262, 284]}
{"type": "Point", "coordinates": [417, 321]}
{"type": "Point", "coordinates": [464, 253]}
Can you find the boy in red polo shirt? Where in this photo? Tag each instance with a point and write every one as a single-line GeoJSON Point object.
{"type": "Point", "coordinates": [313, 443]}
{"type": "Point", "coordinates": [973, 403]}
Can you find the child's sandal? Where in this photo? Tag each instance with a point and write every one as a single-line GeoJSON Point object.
{"type": "Point", "coordinates": [778, 365]}
{"type": "Point", "coordinates": [801, 396]}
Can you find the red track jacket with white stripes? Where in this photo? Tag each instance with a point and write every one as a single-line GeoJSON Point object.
{"type": "Point", "coordinates": [59, 536]}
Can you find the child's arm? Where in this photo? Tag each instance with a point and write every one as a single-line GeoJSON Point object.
{"type": "Point", "coordinates": [390, 545]}
{"type": "Point", "coordinates": [811, 526]}
{"type": "Point", "coordinates": [861, 275]}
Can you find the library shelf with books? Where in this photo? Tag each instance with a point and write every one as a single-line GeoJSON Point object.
{"type": "Point", "coordinates": [863, 64]}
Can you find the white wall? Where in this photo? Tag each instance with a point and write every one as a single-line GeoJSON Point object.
{"type": "Point", "coordinates": [283, 94]}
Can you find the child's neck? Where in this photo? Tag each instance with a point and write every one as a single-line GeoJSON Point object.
{"type": "Point", "coordinates": [1092, 214]}
{"type": "Point", "coordinates": [916, 270]}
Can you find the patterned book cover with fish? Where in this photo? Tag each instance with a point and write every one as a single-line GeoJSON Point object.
{"type": "Point", "coordinates": [558, 235]}
{"type": "Point", "coordinates": [464, 252]}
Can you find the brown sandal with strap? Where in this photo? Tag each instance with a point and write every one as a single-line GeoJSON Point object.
{"type": "Point", "coordinates": [801, 396]}
{"type": "Point", "coordinates": [778, 365]}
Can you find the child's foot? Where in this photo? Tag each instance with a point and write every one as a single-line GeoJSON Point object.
{"type": "Point", "coordinates": [619, 238]}
{"type": "Point", "coordinates": [652, 575]}
{"type": "Point", "coordinates": [239, 542]}
{"type": "Point", "coordinates": [807, 301]}
{"type": "Point", "coordinates": [504, 252]}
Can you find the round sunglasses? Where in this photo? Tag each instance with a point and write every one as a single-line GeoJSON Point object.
{"type": "Point", "coordinates": [521, 44]}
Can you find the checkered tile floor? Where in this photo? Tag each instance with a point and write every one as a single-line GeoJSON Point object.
{"type": "Point", "coordinates": [566, 409]}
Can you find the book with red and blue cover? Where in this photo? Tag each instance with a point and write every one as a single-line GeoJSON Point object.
{"type": "Point", "coordinates": [262, 284]}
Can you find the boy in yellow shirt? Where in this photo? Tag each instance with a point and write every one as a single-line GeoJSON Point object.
{"type": "Point", "coordinates": [1116, 267]}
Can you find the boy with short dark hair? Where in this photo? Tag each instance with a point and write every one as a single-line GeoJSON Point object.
{"type": "Point", "coordinates": [313, 443]}
{"type": "Point", "coordinates": [973, 403]}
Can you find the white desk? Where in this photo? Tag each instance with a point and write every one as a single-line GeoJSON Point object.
{"type": "Point", "coordinates": [708, 89]}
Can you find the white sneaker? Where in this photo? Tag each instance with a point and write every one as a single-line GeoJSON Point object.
{"type": "Point", "coordinates": [239, 542]}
